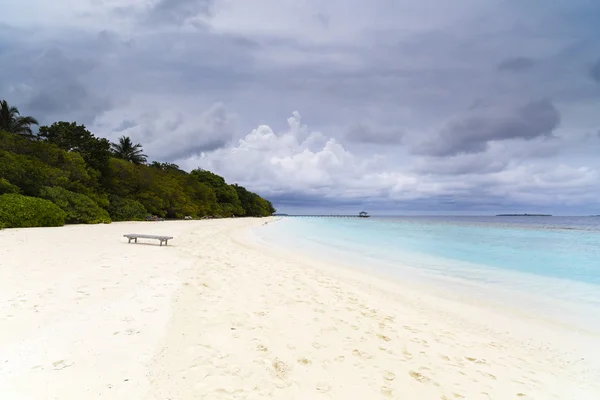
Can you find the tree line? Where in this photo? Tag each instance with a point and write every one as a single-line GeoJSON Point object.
{"type": "Point", "coordinates": [66, 174]}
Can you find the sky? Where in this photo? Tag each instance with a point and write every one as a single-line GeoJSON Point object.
{"type": "Point", "coordinates": [388, 106]}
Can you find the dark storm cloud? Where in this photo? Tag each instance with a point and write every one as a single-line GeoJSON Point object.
{"type": "Point", "coordinates": [516, 64]}
{"type": "Point", "coordinates": [595, 71]}
{"type": "Point", "coordinates": [178, 152]}
{"type": "Point", "coordinates": [126, 124]}
{"type": "Point", "coordinates": [460, 165]}
{"type": "Point", "coordinates": [53, 85]}
{"type": "Point", "coordinates": [178, 11]}
{"type": "Point", "coordinates": [472, 133]}
{"type": "Point", "coordinates": [361, 133]}
{"type": "Point", "coordinates": [291, 202]}
{"type": "Point", "coordinates": [62, 91]}
{"type": "Point", "coordinates": [67, 100]}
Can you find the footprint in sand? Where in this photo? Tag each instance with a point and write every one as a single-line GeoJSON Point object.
{"type": "Point", "coordinates": [361, 354]}
{"type": "Point", "coordinates": [386, 391]}
{"type": "Point", "coordinates": [383, 337]}
{"type": "Point", "coordinates": [61, 364]}
{"type": "Point", "coordinates": [323, 387]}
{"type": "Point", "coordinates": [150, 309]}
{"type": "Point", "coordinates": [418, 376]}
{"type": "Point", "coordinates": [389, 376]}
{"type": "Point", "coordinates": [281, 369]}
{"type": "Point", "coordinates": [260, 347]}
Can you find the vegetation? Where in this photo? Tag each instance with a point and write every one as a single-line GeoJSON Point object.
{"type": "Point", "coordinates": [121, 209]}
{"type": "Point", "coordinates": [79, 208]}
{"type": "Point", "coordinates": [128, 151]}
{"type": "Point", "coordinates": [11, 121]}
{"type": "Point", "coordinates": [85, 179]}
{"type": "Point", "coordinates": [18, 211]}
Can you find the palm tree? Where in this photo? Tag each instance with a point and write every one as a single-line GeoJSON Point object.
{"type": "Point", "coordinates": [128, 151]}
{"type": "Point", "coordinates": [11, 121]}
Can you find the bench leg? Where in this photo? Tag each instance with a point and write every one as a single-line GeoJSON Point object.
{"type": "Point", "coordinates": [129, 240]}
{"type": "Point", "coordinates": [136, 240]}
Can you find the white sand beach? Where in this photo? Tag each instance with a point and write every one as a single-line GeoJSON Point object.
{"type": "Point", "coordinates": [218, 315]}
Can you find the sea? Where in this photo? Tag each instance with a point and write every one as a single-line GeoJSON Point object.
{"type": "Point", "coordinates": [547, 266]}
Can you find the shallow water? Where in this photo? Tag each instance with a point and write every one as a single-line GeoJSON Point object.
{"type": "Point", "coordinates": [548, 265]}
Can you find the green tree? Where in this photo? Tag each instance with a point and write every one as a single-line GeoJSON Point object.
{"type": "Point", "coordinates": [11, 121]}
{"type": "Point", "coordinates": [121, 209]}
{"type": "Point", "coordinates": [80, 209]}
{"type": "Point", "coordinates": [76, 138]}
{"type": "Point", "coordinates": [128, 151]}
{"type": "Point", "coordinates": [227, 197]}
{"type": "Point", "coordinates": [254, 205]}
{"type": "Point", "coordinates": [89, 180]}
{"type": "Point", "coordinates": [166, 166]}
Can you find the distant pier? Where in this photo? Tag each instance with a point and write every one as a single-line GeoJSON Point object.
{"type": "Point", "coordinates": [319, 215]}
{"type": "Point", "coordinates": [361, 215]}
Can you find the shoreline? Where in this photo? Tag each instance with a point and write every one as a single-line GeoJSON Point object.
{"type": "Point", "coordinates": [554, 300]}
{"type": "Point", "coordinates": [443, 291]}
{"type": "Point", "coordinates": [217, 315]}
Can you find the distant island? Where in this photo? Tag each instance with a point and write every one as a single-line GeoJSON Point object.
{"type": "Point", "coordinates": [523, 215]}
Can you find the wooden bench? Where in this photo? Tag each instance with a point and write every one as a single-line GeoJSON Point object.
{"type": "Point", "coordinates": [135, 236]}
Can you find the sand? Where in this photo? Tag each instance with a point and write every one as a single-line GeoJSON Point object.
{"type": "Point", "coordinates": [220, 315]}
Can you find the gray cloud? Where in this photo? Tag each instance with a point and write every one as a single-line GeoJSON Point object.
{"type": "Point", "coordinates": [374, 66]}
{"type": "Point", "coordinates": [362, 133]}
{"type": "Point", "coordinates": [461, 165]}
{"type": "Point", "coordinates": [59, 88]}
{"type": "Point", "coordinates": [178, 11]}
{"type": "Point", "coordinates": [595, 71]}
{"type": "Point", "coordinates": [170, 137]}
{"type": "Point", "coordinates": [473, 132]}
{"type": "Point", "coordinates": [516, 64]}
{"type": "Point", "coordinates": [126, 124]}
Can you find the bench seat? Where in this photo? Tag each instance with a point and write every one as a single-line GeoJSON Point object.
{"type": "Point", "coordinates": [136, 236]}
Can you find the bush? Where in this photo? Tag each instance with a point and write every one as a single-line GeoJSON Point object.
{"type": "Point", "coordinates": [7, 187]}
{"type": "Point", "coordinates": [18, 211]}
{"type": "Point", "coordinates": [121, 209]}
{"type": "Point", "coordinates": [79, 208]}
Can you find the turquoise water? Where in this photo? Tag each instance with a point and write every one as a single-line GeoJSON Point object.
{"type": "Point", "coordinates": [543, 257]}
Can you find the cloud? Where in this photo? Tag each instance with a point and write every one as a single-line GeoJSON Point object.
{"type": "Point", "coordinates": [595, 71]}
{"type": "Point", "coordinates": [362, 133]}
{"type": "Point", "coordinates": [298, 167]}
{"type": "Point", "coordinates": [124, 125]}
{"type": "Point", "coordinates": [295, 160]}
{"type": "Point", "coordinates": [516, 64]}
{"type": "Point", "coordinates": [388, 88]}
{"type": "Point", "coordinates": [473, 132]}
{"type": "Point", "coordinates": [169, 136]}
{"type": "Point", "coordinates": [60, 88]}
{"type": "Point", "coordinates": [178, 11]}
